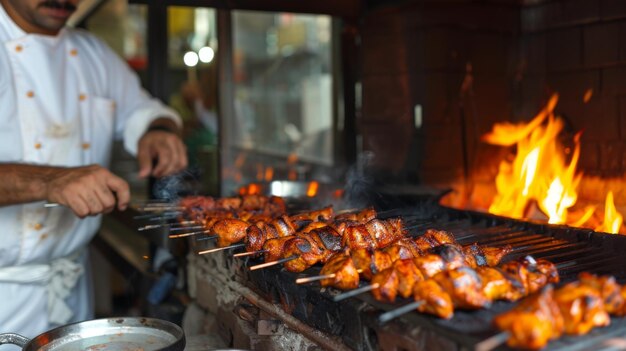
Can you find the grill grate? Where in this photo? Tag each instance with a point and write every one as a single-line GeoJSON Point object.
{"type": "Point", "coordinates": [354, 321]}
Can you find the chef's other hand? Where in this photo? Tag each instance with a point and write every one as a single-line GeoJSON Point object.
{"type": "Point", "coordinates": [163, 144]}
{"type": "Point", "coordinates": [88, 190]}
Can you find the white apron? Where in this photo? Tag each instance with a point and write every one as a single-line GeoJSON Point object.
{"type": "Point", "coordinates": [38, 283]}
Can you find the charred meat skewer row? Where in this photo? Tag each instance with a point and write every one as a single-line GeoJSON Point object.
{"type": "Point", "coordinates": [573, 309]}
{"type": "Point", "coordinates": [467, 288]}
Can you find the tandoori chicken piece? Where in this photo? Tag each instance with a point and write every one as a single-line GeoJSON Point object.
{"type": "Point", "coordinates": [498, 285]}
{"type": "Point", "coordinates": [375, 234]}
{"type": "Point", "coordinates": [370, 262]}
{"type": "Point", "coordinates": [533, 322]}
{"type": "Point", "coordinates": [464, 287]}
{"type": "Point", "coordinates": [444, 257]}
{"type": "Point", "coordinates": [479, 256]}
{"type": "Point", "coordinates": [582, 308]}
{"type": "Point", "coordinates": [361, 216]}
{"type": "Point", "coordinates": [609, 290]}
{"type": "Point", "coordinates": [273, 248]}
{"type": "Point", "coordinates": [229, 231]}
{"type": "Point", "coordinates": [261, 231]}
{"type": "Point", "coordinates": [435, 300]}
{"type": "Point", "coordinates": [321, 215]}
{"type": "Point", "coordinates": [397, 279]}
{"type": "Point", "coordinates": [346, 275]}
{"type": "Point", "coordinates": [433, 238]}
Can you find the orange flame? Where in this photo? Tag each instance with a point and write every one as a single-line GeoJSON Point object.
{"type": "Point", "coordinates": [612, 219]}
{"type": "Point", "coordinates": [269, 174]}
{"type": "Point", "coordinates": [541, 173]}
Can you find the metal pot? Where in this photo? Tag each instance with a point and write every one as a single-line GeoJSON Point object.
{"type": "Point", "coordinates": [146, 334]}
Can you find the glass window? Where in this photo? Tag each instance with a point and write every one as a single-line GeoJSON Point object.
{"type": "Point", "coordinates": [191, 78]}
{"type": "Point", "coordinates": [283, 92]}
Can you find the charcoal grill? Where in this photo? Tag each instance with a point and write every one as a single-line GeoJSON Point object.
{"type": "Point", "coordinates": [353, 323]}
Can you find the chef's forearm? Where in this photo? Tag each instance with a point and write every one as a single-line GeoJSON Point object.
{"type": "Point", "coordinates": [21, 183]}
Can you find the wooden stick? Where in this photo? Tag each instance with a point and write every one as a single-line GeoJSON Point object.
{"type": "Point", "coordinates": [315, 278]}
{"type": "Point", "coordinates": [355, 292]}
{"type": "Point", "coordinates": [243, 254]}
{"type": "Point", "coordinates": [182, 235]}
{"type": "Point", "coordinates": [235, 246]}
{"type": "Point", "coordinates": [387, 316]}
{"type": "Point", "coordinates": [319, 277]}
{"type": "Point", "coordinates": [273, 263]}
{"type": "Point", "coordinates": [493, 341]}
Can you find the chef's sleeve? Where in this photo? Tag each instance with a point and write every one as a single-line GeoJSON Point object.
{"type": "Point", "coordinates": [135, 109]}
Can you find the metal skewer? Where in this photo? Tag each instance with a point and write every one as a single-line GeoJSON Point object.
{"type": "Point", "coordinates": [235, 246]}
{"type": "Point", "coordinates": [355, 292]}
{"type": "Point", "coordinates": [243, 254]}
{"type": "Point", "coordinates": [387, 316]}
{"type": "Point", "coordinates": [186, 228]}
{"type": "Point", "coordinates": [273, 263]}
{"type": "Point", "coordinates": [51, 204]}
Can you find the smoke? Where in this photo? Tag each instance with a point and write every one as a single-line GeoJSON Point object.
{"type": "Point", "coordinates": [358, 187]}
{"type": "Point", "coordinates": [171, 188]}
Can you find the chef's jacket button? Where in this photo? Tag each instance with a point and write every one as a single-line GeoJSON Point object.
{"type": "Point", "coordinates": [73, 52]}
{"type": "Point", "coordinates": [37, 145]}
{"type": "Point", "coordinates": [86, 146]}
{"type": "Point", "coordinates": [37, 226]}
{"type": "Point", "coordinates": [30, 94]}
{"type": "Point", "coordinates": [19, 48]}
{"type": "Point", "coordinates": [82, 97]}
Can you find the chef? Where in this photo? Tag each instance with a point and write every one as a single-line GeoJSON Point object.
{"type": "Point", "coordinates": [64, 97]}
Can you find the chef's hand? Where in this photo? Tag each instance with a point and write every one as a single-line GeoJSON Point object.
{"type": "Point", "coordinates": [164, 146]}
{"type": "Point", "coordinates": [88, 190]}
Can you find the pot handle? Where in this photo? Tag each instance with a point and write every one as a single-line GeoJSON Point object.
{"type": "Point", "coordinates": [15, 339]}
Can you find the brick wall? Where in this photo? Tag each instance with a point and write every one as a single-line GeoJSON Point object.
{"type": "Point", "coordinates": [469, 64]}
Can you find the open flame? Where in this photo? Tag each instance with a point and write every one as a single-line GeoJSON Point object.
{"type": "Point", "coordinates": [543, 174]}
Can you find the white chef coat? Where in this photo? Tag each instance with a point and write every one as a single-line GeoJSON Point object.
{"type": "Point", "coordinates": [63, 100]}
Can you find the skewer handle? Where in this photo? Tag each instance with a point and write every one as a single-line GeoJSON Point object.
{"type": "Point", "coordinates": [387, 316]}
{"type": "Point", "coordinates": [182, 235]}
{"type": "Point", "coordinates": [492, 342]}
{"type": "Point", "coordinates": [272, 263]}
{"type": "Point", "coordinates": [315, 278]}
{"type": "Point", "coordinates": [221, 249]}
{"type": "Point", "coordinates": [355, 292]}
{"type": "Point", "coordinates": [243, 254]}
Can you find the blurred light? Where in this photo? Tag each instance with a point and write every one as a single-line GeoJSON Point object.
{"type": "Point", "coordinates": [206, 54]}
{"type": "Point", "coordinates": [190, 59]}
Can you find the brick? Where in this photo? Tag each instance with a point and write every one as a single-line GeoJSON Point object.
{"type": "Point", "coordinates": [597, 119]}
{"type": "Point", "coordinates": [389, 143]}
{"type": "Point", "coordinates": [533, 96]}
{"type": "Point", "coordinates": [384, 21]}
{"type": "Point", "coordinates": [484, 16]}
{"type": "Point", "coordinates": [622, 41]}
{"type": "Point", "coordinates": [432, 91]}
{"type": "Point", "coordinates": [492, 101]}
{"type": "Point", "coordinates": [574, 85]}
{"type": "Point", "coordinates": [383, 54]}
{"type": "Point", "coordinates": [612, 9]}
{"type": "Point", "coordinates": [622, 116]}
{"type": "Point", "coordinates": [600, 44]}
{"type": "Point", "coordinates": [386, 98]}
{"type": "Point", "coordinates": [490, 53]}
{"type": "Point", "coordinates": [559, 13]}
{"type": "Point", "coordinates": [589, 157]}
{"type": "Point", "coordinates": [613, 79]}
{"type": "Point", "coordinates": [611, 155]}
{"type": "Point", "coordinates": [533, 53]}
{"type": "Point", "coordinates": [435, 48]}
{"type": "Point", "coordinates": [564, 49]}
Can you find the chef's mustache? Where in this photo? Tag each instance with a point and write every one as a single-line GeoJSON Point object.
{"type": "Point", "coordinates": [58, 5]}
